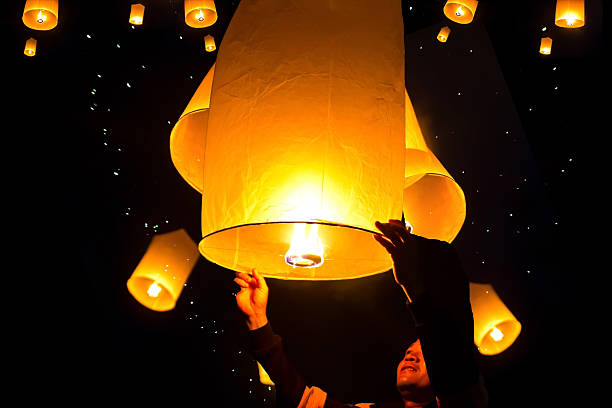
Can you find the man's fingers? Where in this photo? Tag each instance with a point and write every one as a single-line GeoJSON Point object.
{"type": "Point", "coordinates": [386, 244]}
{"type": "Point", "coordinates": [261, 282]}
{"type": "Point", "coordinates": [400, 228]}
{"type": "Point", "coordinates": [390, 232]}
{"type": "Point", "coordinates": [241, 282]}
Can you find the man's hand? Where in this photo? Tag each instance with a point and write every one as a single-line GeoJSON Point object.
{"type": "Point", "coordinates": [252, 298]}
{"type": "Point", "coordinates": [418, 263]}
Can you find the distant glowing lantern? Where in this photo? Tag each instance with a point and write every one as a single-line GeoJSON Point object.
{"type": "Point", "coordinates": [460, 11]}
{"type": "Point", "coordinates": [495, 327]}
{"type": "Point", "coordinates": [209, 43]}
{"type": "Point", "coordinates": [569, 13]}
{"type": "Point", "coordinates": [298, 164]}
{"type": "Point", "coordinates": [40, 14]}
{"type": "Point", "coordinates": [443, 34]}
{"type": "Point", "coordinates": [30, 47]}
{"type": "Point", "coordinates": [159, 278]}
{"type": "Point", "coordinates": [264, 378]}
{"type": "Point", "coordinates": [200, 13]}
{"type": "Point", "coordinates": [545, 45]}
{"type": "Point", "coordinates": [137, 14]}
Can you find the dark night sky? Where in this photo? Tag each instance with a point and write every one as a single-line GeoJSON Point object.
{"type": "Point", "coordinates": [518, 131]}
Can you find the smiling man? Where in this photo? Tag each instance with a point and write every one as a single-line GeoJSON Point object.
{"type": "Point", "coordinates": [438, 368]}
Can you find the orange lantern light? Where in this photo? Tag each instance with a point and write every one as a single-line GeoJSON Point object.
{"type": "Point", "coordinates": [159, 278]}
{"type": "Point", "coordinates": [30, 47]}
{"type": "Point", "coordinates": [137, 14]}
{"type": "Point", "coordinates": [460, 11]}
{"type": "Point", "coordinates": [188, 137]}
{"type": "Point", "coordinates": [40, 14]}
{"type": "Point", "coordinates": [200, 13]}
{"type": "Point", "coordinates": [569, 13]}
{"type": "Point", "coordinates": [495, 327]}
{"type": "Point", "coordinates": [209, 43]}
{"type": "Point", "coordinates": [306, 185]}
{"type": "Point", "coordinates": [264, 378]}
{"type": "Point", "coordinates": [443, 34]}
{"type": "Point", "coordinates": [441, 215]}
{"type": "Point", "coordinates": [545, 45]}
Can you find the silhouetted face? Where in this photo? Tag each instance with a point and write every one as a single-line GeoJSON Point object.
{"type": "Point", "coordinates": [411, 371]}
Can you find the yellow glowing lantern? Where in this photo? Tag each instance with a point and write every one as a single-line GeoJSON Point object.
{"type": "Point", "coordinates": [545, 45]}
{"type": "Point", "coordinates": [40, 14]}
{"type": "Point", "coordinates": [495, 327]}
{"type": "Point", "coordinates": [304, 135]}
{"type": "Point", "coordinates": [159, 278]}
{"type": "Point", "coordinates": [188, 137]}
{"type": "Point", "coordinates": [264, 378]}
{"type": "Point", "coordinates": [302, 150]}
{"type": "Point", "coordinates": [569, 13]}
{"type": "Point", "coordinates": [200, 13]}
{"type": "Point", "coordinates": [443, 34]}
{"type": "Point", "coordinates": [460, 11]}
{"type": "Point", "coordinates": [30, 47]}
{"type": "Point", "coordinates": [433, 203]}
{"type": "Point", "coordinates": [209, 43]}
{"type": "Point", "coordinates": [137, 14]}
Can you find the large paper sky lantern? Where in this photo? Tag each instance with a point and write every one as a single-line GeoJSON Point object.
{"type": "Point", "coordinates": [41, 14]}
{"type": "Point", "coordinates": [200, 13]}
{"type": "Point", "coordinates": [305, 147]}
{"type": "Point", "coordinates": [569, 13]}
{"type": "Point", "coordinates": [159, 278]}
{"type": "Point", "coordinates": [495, 327]}
{"type": "Point", "coordinates": [460, 11]}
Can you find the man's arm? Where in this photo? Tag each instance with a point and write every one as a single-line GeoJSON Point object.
{"type": "Point", "coordinates": [430, 273]}
{"type": "Point", "coordinates": [267, 348]}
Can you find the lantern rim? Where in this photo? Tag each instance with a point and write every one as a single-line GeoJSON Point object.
{"type": "Point", "coordinates": [513, 329]}
{"type": "Point", "coordinates": [164, 302]}
{"type": "Point", "coordinates": [380, 263]}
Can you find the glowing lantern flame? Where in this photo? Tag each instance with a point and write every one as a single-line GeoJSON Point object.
{"type": "Point", "coordinates": [496, 334]}
{"type": "Point", "coordinates": [459, 12]}
{"type": "Point", "coordinates": [41, 18]}
{"type": "Point", "coordinates": [305, 251]}
{"type": "Point", "coordinates": [154, 290]}
{"type": "Point", "coordinates": [571, 19]}
{"type": "Point", "coordinates": [200, 16]}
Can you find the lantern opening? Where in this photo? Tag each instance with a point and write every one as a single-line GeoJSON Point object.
{"type": "Point", "coordinates": [306, 251]}
{"type": "Point", "coordinates": [459, 12]}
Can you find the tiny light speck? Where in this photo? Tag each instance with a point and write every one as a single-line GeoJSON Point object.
{"type": "Point", "coordinates": [88, 36]}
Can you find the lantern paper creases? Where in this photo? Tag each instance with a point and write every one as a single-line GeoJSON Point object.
{"type": "Point", "coordinates": [495, 327]}
{"type": "Point", "coordinates": [313, 140]}
{"type": "Point", "coordinates": [41, 14]}
{"type": "Point", "coordinates": [159, 278]}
